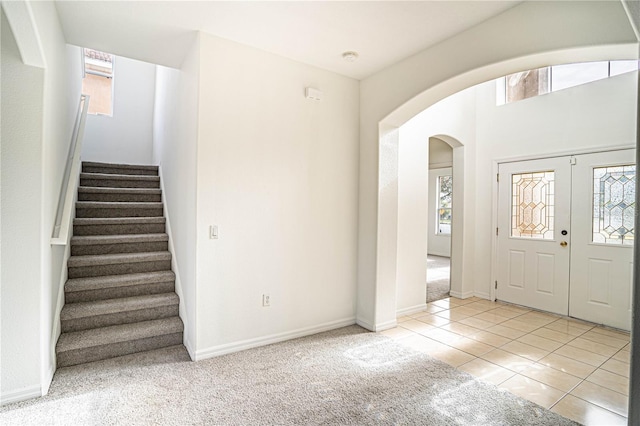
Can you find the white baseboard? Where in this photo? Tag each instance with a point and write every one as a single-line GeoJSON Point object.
{"type": "Point", "coordinates": [365, 324]}
{"type": "Point", "coordinates": [411, 310]}
{"type": "Point", "coordinates": [48, 378]}
{"type": "Point", "coordinates": [20, 394]}
{"type": "Point", "coordinates": [386, 325]}
{"type": "Point", "coordinates": [273, 338]}
{"type": "Point", "coordinates": [459, 295]}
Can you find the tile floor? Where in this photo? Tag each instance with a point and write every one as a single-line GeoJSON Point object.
{"type": "Point", "coordinates": [577, 369]}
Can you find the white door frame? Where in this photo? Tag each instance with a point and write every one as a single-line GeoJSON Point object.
{"type": "Point", "coordinates": [494, 203]}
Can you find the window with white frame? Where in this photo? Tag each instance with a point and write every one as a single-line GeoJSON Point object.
{"type": "Point", "coordinates": [445, 198]}
{"type": "Point", "coordinates": [530, 83]}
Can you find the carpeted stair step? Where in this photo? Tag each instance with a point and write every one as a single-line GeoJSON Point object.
{"type": "Point", "coordinates": [104, 313]}
{"type": "Point", "coordinates": [119, 226]}
{"type": "Point", "coordinates": [108, 342]}
{"type": "Point", "coordinates": [101, 193]}
{"type": "Point", "coordinates": [119, 181]}
{"type": "Point", "coordinates": [115, 209]}
{"type": "Point", "coordinates": [114, 286]}
{"type": "Point", "coordinates": [117, 264]}
{"type": "Point", "coordinates": [111, 244]}
{"type": "Point", "coordinates": [119, 169]}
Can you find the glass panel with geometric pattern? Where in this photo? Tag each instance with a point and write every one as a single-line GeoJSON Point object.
{"type": "Point", "coordinates": [614, 196]}
{"type": "Point", "coordinates": [532, 204]}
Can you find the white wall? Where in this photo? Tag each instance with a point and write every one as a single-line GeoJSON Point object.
{"type": "Point", "coordinates": [40, 108]}
{"type": "Point", "coordinates": [127, 136]}
{"type": "Point", "coordinates": [21, 125]}
{"type": "Point", "coordinates": [175, 137]}
{"type": "Point", "coordinates": [440, 154]}
{"type": "Point", "coordinates": [278, 174]}
{"type": "Point", "coordinates": [574, 32]}
{"type": "Point", "coordinates": [437, 244]}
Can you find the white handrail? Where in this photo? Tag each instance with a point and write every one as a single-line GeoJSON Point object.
{"type": "Point", "coordinates": [60, 235]}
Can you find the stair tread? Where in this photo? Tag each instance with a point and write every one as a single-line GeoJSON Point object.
{"type": "Point", "coordinates": [120, 166]}
{"type": "Point", "coordinates": [118, 204]}
{"type": "Point", "coordinates": [117, 220]}
{"type": "Point", "coordinates": [79, 310]}
{"type": "Point", "coordinates": [118, 258]}
{"type": "Point", "coordinates": [116, 176]}
{"type": "Point", "coordinates": [110, 190]}
{"type": "Point", "coordinates": [86, 240]}
{"type": "Point", "coordinates": [112, 281]}
{"type": "Point", "coordinates": [118, 333]}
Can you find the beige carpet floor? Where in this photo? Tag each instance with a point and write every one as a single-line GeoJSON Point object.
{"type": "Point", "coordinates": [438, 269]}
{"type": "Point", "coordinates": [343, 377]}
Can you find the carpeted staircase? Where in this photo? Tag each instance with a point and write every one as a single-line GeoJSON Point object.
{"type": "Point", "coordinates": [120, 297]}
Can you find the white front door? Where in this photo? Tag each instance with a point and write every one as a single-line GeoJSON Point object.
{"type": "Point", "coordinates": [603, 206]}
{"type": "Point", "coordinates": [565, 242]}
{"type": "Point", "coordinates": [534, 209]}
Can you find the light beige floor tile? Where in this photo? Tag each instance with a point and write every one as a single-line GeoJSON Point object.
{"type": "Point", "coordinates": [602, 397]}
{"type": "Point", "coordinates": [540, 342]}
{"type": "Point", "coordinates": [443, 303]}
{"type": "Point", "coordinates": [466, 311]}
{"type": "Point", "coordinates": [442, 336]}
{"type": "Point", "coordinates": [416, 326]}
{"type": "Point", "coordinates": [433, 320]}
{"type": "Point", "coordinates": [610, 380]}
{"type": "Point", "coordinates": [540, 316]}
{"type": "Point", "coordinates": [482, 306]}
{"type": "Point", "coordinates": [519, 309]}
{"type": "Point", "coordinates": [617, 367]}
{"type": "Point", "coordinates": [622, 356]}
{"type": "Point", "coordinates": [533, 390]}
{"type": "Point", "coordinates": [554, 335]}
{"type": "Point", "coordinates": [567, 327]}
{"type": "Point", "coordinates": [452, 356]}
{"type": "Point", "coordinates": [432, 309]}
{"type": "Point", "coordinates": [591, 346]}
{"type": "Point", "coordinates": [487, 371]}
{"type": "Point", "coordinates": [586, 413]}
{"type": "Point", "coordinates": [403, 319]}
{"type": "Point", "coordinates": [490, 338]}
{"type": "Point", "coordinates": [507, 360]}
{"type": "Point", "coordinates": [568, 365]}
{"type": "Point", "coordinates": [471, 346]}
{"type": "Point", "coordinates": [397, 333]}
{"type": "Point", "coordinates": [452, 315]}
{"type": "Point", "coordinates": [604, 339]}
{"type": "Point", "coordinates": [525, 351]}
{"type": "Point", "coordinates": [461, 329]}
{"type": "Point", "coordinates": [516, 324]}
{"type": "Point", "coordinates": [504, 312]}
{"type": "Point", "coordinates": [618, 334]}
{"type": "Point", "coordinates": [422, 344]}
{"type": "Point", "coordinates": [581, 355]}
{"type": "Point", "coordinates": [477, 322]}
{"type": "Point", "coordinates": [508, 332]}
{"type": "Point", "coordinates": [491, 317]}
{"type": "Point", "coordinates": [552, 377]}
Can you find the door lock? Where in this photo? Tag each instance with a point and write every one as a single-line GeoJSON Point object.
{"type": "Point", "coordinates": [563, 243]}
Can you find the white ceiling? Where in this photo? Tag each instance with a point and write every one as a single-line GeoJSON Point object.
{"type": "Point", "coordinates": [313, 32]}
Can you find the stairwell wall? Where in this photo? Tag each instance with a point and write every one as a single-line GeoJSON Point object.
{"type": "Point", "coordinates": [278, 174]}
{"type": "Point", "coordinates": [127, 136]}
{"type": "Point", "coordinates": [175, 136]}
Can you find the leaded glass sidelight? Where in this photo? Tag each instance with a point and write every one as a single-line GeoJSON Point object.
{"type": "Point", "coordinates": [532, 205]}
{"type": "Point", "coordinates": [614, 195]}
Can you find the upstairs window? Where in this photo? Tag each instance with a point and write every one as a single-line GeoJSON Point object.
{"type": "Point", "coordinates": [527, 84]}
{"type": "Point", "coordinates": [445, 194]}
{"type": "Point", "coordinates": [98, 81]}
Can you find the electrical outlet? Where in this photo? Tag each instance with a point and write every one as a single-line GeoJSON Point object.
{"type": "Point", "coordinates": [266, 300]}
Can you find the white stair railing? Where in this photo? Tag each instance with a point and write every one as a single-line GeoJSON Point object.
{"type": "Point", "coordinates": [60, 235]}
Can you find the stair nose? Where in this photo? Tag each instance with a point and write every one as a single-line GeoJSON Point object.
{"type": "Point", "coordinates": [111, 244]}
{"type": "Point", "coordinates": [124, 169]}
{"type": "Point", "coordinates": [101, 209]}
{"type": "Point", "coordinates": [118, 264]}
{"type": "Point", "coordinates": [114, 286]}
{"type": "Point", "coordinates": [118, 226]}
{"type": "Point", "coordinates": [119, 181]}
